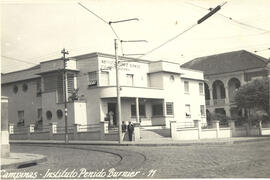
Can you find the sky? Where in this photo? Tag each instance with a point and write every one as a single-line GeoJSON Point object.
{"type": "Point", "coordinates": [35, 31]}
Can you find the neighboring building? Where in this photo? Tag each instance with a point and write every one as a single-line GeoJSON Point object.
{"type": "Point", "coordinates": [164, 91]}
{"type": "Point", "coordinates": [224, 74]}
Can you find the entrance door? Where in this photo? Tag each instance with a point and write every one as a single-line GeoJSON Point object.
{"type": "Point", "coordinates": [112, 111]}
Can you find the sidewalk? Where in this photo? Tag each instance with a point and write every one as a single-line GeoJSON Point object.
{"type": "Point", "coordinates": [19, 160]}
{"type": "Point", "coordinates": [150, 142]}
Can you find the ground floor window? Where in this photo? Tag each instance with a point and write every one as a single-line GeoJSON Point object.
{"type": "Point", "coordinates": [157, 109]}
{"type": "Point", "coordinates": [20, 118]}
{"type": "Point", "coordinates": [39, 114]}
{"type": "Point", "coordinates": [202, 110]}
{"type": "Point", "coordinates": [141, 110]}
{"type": "Point", "coordinates": [169, 108]}
{"type": "Point", "coordinates": [187, 109]}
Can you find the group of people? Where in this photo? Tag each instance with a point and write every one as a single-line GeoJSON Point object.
{"type": "Point", "coordinates": [128, 128]}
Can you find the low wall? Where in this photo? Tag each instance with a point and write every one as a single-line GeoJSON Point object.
{"type": "Point", "coordinates": [187, 134]}
{"type": "Point", "coordinates": [91, 135]}
{"type": "Point", "coordinates": [225, 133]}
{"type": "Point", "coordinates": [265, 131]}
{"type": "Point", "coordinates": [208, 133]}
{"type": "Point", "coordinates": [45, 135]}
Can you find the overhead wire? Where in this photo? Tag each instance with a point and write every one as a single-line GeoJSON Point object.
{"type": "Point", "coordinates": [231, 19]}
{"type": "Point", "coordinates": [19, 60]}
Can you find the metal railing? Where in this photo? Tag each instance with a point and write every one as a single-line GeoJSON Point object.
{"type": "Point", "coordinates": [88, 127]}
{"type": "Point", "coordinates": [219, 102]}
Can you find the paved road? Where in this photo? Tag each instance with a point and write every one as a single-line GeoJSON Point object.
{"type": "Point", "coordinates": [245, 160]}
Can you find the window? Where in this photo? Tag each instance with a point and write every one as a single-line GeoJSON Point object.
{"type": "Point", "coordinates": [15, 89]}
{"type": "Point", "coordinates": [201, 88]}
{"type": "Point", "coordinates": [202, 110]}
{"type": "Point", "coordinates": [59, 113]}
{"type": "Point", "coordinates": [20, 118]}
{"type": "Point", "coordinates": [186, 85]}
{"type": "Point", "coordinates": [39, 116]}
{"type": "Point", "coordinates": [141, 110]}
{"type": "Point", "coordinates": [49, 115]}
{"type": "Point", "coordinates": [157, 109]}
{"type": "Point", "coordinates": [187, 108]}
{"type": "Point", "coordinates": [92, 78]}
{"type": "Point", "coordinates": [38, 88]}
{"type": "Point", "coordinates": [25, 87]}
{"type": "Point", "coordinates": [172, 78]}
{"type": "Point", "coordinates": [169, 108]}
{"type": "Point", "coordinates": [129, 79]}
{"type": "Point", "coordinates": [50, 82]}
{"type": "Point", "coordinates": [104, 78]}
{"type": "Point", "coordinates": [70, 84]}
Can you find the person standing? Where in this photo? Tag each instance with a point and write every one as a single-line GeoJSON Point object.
{"type": "Point", "coordinates": [130, 130]}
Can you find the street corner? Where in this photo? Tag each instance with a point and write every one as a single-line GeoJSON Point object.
{"type": "Point", "coordinates": [21, 160]}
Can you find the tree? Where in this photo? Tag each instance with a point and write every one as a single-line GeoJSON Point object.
{"type": "Point", "coordinates": [254, 96]}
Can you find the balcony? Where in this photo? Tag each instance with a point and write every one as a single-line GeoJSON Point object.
{"type": "Point", "coordinates": [219, 102]}
{"type": "Point", "coordinates": [130, 91]}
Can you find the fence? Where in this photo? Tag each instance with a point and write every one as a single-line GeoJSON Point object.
{"type": "Point", "coordinates": [54, 132]}
{"type": "Point", "coordinates": [214, 130]}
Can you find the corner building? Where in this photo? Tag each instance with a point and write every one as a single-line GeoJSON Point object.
{"type": "Point", "coordinates": [160, 91]}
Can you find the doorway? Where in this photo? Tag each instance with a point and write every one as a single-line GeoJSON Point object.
{"type": "Point", "coordinates": [112, 112]}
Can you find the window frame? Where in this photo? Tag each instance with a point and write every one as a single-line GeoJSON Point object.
{"type": "Point", "coordinates": [172, 108]}
{"type": "Point", "coordinates": [204, 111]}
{"type": "Point", "coordinates": [21, 120]}
{"type": "Point", "coordinates": [186, 86]}
{"type": "Point", "coordinates": [201, 88]}
{"type": "Point", "coordinates": [189, 109]}
{"type": "Point", "coordinates": [93, 81]}
{"type": "Point", "coordinates": [132, 78]}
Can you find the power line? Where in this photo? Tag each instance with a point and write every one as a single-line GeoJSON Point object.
{"type": "Point", "coordinates": [19, 60]}
{"type": "Point", "coordinates": [94, 14]}
{"type": "Point", "coordinates": [230, 18]}
{"type": "Point", "coordinates": [213, 11]}
{"type": "Point", "coordinates": [166, 42]}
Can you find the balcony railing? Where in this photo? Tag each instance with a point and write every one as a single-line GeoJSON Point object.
{"type": "Point", "coordinates": [218, 102]}
{"type": "Point", "coordinates": [207, 102]}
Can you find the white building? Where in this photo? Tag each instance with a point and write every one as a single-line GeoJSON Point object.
{"type": "Point", "coordinates": [164, 91]}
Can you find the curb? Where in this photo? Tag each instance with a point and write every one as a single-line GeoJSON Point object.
{"type": "Point", "coordinates": [26, 163]}
{"type": "Point", "coordinates": [229, 141]}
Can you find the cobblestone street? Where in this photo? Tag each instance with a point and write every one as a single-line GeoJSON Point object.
{"type": "Point", "coordinates": [245, 160]}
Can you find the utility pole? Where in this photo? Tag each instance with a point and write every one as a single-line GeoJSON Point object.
{"type": "Point", "coordinates": [118, 92]}
{"type": "Point", "coordinates": [64, 52]}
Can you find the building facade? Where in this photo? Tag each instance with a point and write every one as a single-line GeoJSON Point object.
{"type": "Point", "coordinates": [224, 74]}
{"type": "Point", "coordinates": [160, 91]}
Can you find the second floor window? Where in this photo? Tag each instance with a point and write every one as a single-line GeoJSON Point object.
{"type": "Point", "coordinates": [201, 88]}
{"type": "Point", "coordinates": [129, 79]}
{"type": "Point", "coordinates": [104, 78]}
{"type": "Point", "coordinates": [38, 87]}
{"type": "Point", "coordinates": [92, 76]}
{"type": "Point", "coordinates": [186, 86]}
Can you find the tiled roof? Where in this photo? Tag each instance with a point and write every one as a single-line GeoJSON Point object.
{"type": "Point", "coordinates": [227, 62]}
